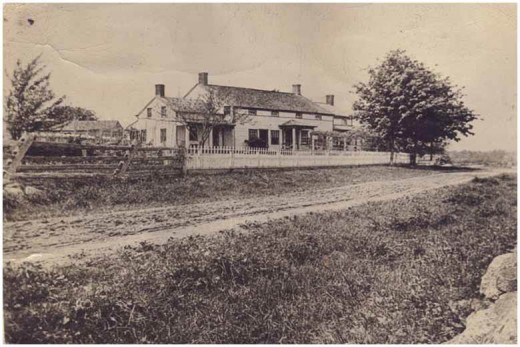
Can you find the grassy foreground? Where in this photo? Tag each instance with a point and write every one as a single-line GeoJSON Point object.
{"type": "Point", "coordinates": [389, 272]}
{"type": "Point", "coordinates": [61, 197]}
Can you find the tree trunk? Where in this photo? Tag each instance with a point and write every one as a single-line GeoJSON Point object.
{"type": "Point", "coordinates": [391, 152]}
{"type": "Point", "coordinates": [413, 156]}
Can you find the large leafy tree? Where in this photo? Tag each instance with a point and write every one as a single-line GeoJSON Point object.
{"type": "Point", "coordinates": [411, 107]}
{"type": "Point", "coordinates": [30, 100]}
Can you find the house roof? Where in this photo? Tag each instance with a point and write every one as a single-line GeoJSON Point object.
{"type": "Point", "coordinates": [334, 109]}
{"type": "Point", "coordinates": [185, 105]}
{"type": "Point", "coordinates": [85, 125]}
{"type": "Point", "coordinates": [266, 99]}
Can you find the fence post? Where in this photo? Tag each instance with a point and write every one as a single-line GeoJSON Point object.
{"type": "Point", "coordinates": [126, 164]}
{"type": "Point", "coordinates": [184, 154]}
{"type": "Point", "coordinates": [20, 150]}
{"type": "Point", "coordinates": [231, 157]}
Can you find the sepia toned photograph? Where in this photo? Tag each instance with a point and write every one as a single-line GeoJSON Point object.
{"type": "Point", "coordinates": [232, 173]}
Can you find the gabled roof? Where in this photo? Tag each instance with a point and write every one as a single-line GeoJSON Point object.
{"type": "Point", "coordinates": [85, 125]}
{"type": "Point", "coordinates": [266, 99]}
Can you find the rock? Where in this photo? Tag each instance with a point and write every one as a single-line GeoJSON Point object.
{"type": "Point", "coordinates": [494, 325]}
{"type": "Point", "coordinates": [500, 276]}
{"type": "Point", "coordinates": [33, 192]}
{"type": "Point", "coordinates": [336, 258]}
{"type": "Point", "coordinates": [14, 191]}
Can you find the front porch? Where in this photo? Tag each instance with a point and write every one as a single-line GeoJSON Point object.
{"type": "Point", "coordinates": [298, 136]}
{"type": "Point", "coordinates": [194, 135]}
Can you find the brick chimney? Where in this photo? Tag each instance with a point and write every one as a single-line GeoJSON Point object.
{"type": "Point", "coordinates": [329, 99]}
{"type": "Point", "coordinates": [203, 78]}
{"type": "Point", "coordinates": [159, 90]}
{"type": "Point", "coordinates": [297, 89]}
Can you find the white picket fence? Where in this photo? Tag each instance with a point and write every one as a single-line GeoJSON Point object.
{"type": "Point", "coordinates": [208, 158]}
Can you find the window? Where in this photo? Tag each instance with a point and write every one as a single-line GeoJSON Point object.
{"type": "Point", "coordinates": [143, 135]}
{"type": "Point", "coordinates": [299, 115]}
{"type": "Point", "coordinates": [253, 134]}
{"type": "Point", "coordinates": [149, 112]}
{"type": "Point", "coordinates": [227, 110]}
{"type": "Point", "coordinates": [106, 133]}
{"type": "Point", "coordinates": [274, 113]}
{"type": "Point", "coordinates": [193, 134]}
{"type": "Point", "coordinates": [163, 111]}
{"type": "Point", "coordinates": [317, 116]}
{"type": "Point", "coordinates": [275, 137]}
{"type": "Point", "coordinates": [163, 135]}
{"type": "Point", "coordinates": [252, 112]}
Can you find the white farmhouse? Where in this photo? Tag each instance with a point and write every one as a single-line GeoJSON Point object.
{"type": "Point", "coordinates": [273, 119]}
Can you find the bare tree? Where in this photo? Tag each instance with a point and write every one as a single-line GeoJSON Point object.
{"type": "Point", "coordinates": [217, 107]}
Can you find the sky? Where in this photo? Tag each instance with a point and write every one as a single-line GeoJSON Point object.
{"type": "Point", "coordinates": [108, 57]}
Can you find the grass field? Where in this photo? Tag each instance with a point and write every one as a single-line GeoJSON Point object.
{"type": "Point", "coordinates": [388, 272]}
{"type": "Point", "coordinates": [70, 197]}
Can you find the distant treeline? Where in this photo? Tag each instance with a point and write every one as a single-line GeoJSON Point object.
{"type": "Point", "coordinates": [489, 158]}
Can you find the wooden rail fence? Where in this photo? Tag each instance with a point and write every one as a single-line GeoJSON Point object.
{"type": "Point", "coordinates": [34, 156]}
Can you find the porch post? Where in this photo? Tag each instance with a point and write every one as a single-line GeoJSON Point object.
{"type": "Point", "coordinates": [312, 142]}
{"type": "Point", "coordinates": [293, 139]}
{"type": "Point", "coordinates": [187, 135]}
{"type": "Point", "coordinates": [344, 144]}
{"type": "Point", "coordinates": [221, 137]}
{"type": "Point", "coordinates": [300, 139]}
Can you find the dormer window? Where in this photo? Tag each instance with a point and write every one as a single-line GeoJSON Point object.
{"type": "Point", "coordinates": [251, 112]}
{"type": "Point", "coordinates": [275, 113]}
{"type": "Point", "coordinates": [163, 111]}
{"type": "Point", "coordinates": [317, 116]}
{"type": "Point", "coordinates": [299, 115]}
{"type": "Point", "coordinates": [227, 110]}
{"type": "Point", "coordinates": [149, 112]}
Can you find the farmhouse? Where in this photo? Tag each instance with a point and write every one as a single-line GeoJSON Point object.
{"type": "Point", "coordinates": [246, 117]}
{"type": "Point", "coordinates": [108, 129]}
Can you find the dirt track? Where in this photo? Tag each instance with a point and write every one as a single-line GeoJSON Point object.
{"type": "Point", "coordinates": [53, 240]}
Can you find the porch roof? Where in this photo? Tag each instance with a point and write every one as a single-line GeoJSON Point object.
{"type": "Point", "coordinates": [330, 133]}
{"type": "Point", "coordinates": [343, 128]}
{"type": "Point", "coordinates": [297, 123]}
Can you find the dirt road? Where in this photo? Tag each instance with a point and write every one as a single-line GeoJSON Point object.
{"type": "Point", "coordinates": [53, 240]}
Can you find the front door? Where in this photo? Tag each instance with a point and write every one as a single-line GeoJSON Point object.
{"type": "Point", "coordinates": [287, 138]}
